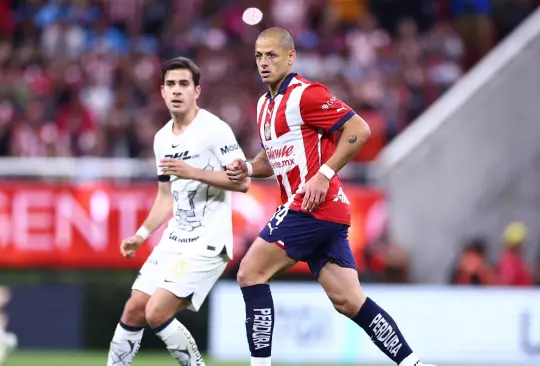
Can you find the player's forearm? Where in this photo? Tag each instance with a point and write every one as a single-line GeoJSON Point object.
{"type": "Point", "coordinates": [221, 181]}
{"type": "Point", "coordinates": [261, 166]}
{"type": "Point", "coordinates": [354, 134]}
{"type": "Point", "coordinates": [160, 211]}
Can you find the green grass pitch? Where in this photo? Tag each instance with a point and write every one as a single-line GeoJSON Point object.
{"type": "Point", "coordinates": [100, 359]}
{"type": "Point", "coordinates": [26, 358]}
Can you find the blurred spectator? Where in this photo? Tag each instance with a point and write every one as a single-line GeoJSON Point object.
{"type": "Point", "coordinates": [474, 24]}
{"type": "Point", "coordinates": [514, 270]}
{"type": "Point", "coordinates": [388, 59]}
{"type": "Point", "coordinates": [472, 267]}
{"type": "Point", "coordinates": [384, 260]}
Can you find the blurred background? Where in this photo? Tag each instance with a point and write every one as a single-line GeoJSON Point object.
{"type": "Point", "coordinates": [445, 195]}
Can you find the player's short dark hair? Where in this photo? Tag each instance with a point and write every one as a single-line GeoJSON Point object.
{"type": "Point", "coordinates": [181, 63]}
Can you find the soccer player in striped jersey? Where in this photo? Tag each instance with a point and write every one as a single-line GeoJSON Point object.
{"type": "Point", "coordinates": [296, 121]}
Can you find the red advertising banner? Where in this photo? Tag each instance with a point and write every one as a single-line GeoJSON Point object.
{"type": "Point", "coordinates": [54, 225]}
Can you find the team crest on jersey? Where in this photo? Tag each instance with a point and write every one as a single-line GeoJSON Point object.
{"type": "Point", "coordinates": [267, 133]}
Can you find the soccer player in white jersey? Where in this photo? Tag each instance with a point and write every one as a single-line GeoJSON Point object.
{"type": "Point", "coordinates": [297, 119]}
{"type": "Point", "coordinates": [191, 151]}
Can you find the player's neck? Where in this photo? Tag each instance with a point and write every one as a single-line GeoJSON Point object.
{"type": "Point", "coordinates": [275, 88]}
{"type": "Point", "coordinates": [181, 121]}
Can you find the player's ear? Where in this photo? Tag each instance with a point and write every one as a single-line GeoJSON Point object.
{"type": "Point", "coordinates": [292, 56]}
{"type": "Point", "coordinates": [162, 89]}
{"type": "Point", "coordinates": [197, 91]}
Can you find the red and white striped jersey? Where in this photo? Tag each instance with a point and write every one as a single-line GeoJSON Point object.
{"type": "Point", "coordinates": [296, 128]}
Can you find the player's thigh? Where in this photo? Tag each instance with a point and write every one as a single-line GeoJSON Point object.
{"type": "Point", "coordinates": [288, 237]}
{"type": "Point", "coordinates": [163, 303]}
{"type": "Point", "coordinates": [335, 269]}
{"type": "Point", "coordinates": [262, 261]}
{"type": "Point", "coordinates": [191, 279]}
{"type": "Point", "coordinates": [342, 286]}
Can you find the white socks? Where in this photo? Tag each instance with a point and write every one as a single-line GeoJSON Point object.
{"type": "Point", "coordinates": [124, 346]}
{"type": "Point", "coordinates": [261, 361]}
{"type": "Point", "coordinates": [181, 344]}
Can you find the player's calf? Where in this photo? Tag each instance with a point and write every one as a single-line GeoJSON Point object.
{"type": "Point", "coordinates": [160, 312]}
{"type": "Point", "coordinates": [129, 331]}
{"type": "Point", "coordinates": [343, 289]}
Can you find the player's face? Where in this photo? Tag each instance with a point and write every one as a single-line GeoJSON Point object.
{"type": "Point", "coordinates": [273, 61]}
{"type": "Point", "coordinates": [179, 92]}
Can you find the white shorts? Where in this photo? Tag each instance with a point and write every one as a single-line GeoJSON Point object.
{"type": "Point", "coordinates": [186, 275]}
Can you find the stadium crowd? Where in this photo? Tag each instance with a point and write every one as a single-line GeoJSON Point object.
{"type": "Point", "coordinates": [81, 77]}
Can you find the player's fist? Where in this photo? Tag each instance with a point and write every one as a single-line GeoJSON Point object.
{"type": "Point", "coordinates": [237, 170]}
{"type": "Point", "coordinates": [130, 245]}
{"type": "Point", "coordinates": [314, 192]}
{"type": "Point", "coordinates": [178, 168]}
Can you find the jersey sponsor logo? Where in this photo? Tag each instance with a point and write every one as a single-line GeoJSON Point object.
{"type": "Point", "coordinates": [176, 238]}
{"type": "Point", "coordinates": [332, 102]}
{"type": "Point", "coordinates": [281, 157]}
{"type": "Point", "coordinates": [229, 148]}
{"type": "Point", "coordinates": [329, 103]}
{"type": "Point", "coordinates": [262, 328]}
{"type": "Point", "coordinates": [283, 152]}
{"type": "Point", "coordinates": [184, 155]}
{"type": "Point", "coordinates": [384, 333]}
{"type": "Point", "coordinates": [195, 353]}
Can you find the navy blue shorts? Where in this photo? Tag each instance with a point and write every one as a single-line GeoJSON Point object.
{"type": "Point", "coordinates": [307, 239]}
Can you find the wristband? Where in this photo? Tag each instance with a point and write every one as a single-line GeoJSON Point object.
{"type": "Point", "coordinates": [143, 232]}
{"type": "Point", "coordinates": [327, 171]}
{"type": "Point", "coordinates": [249, 169]}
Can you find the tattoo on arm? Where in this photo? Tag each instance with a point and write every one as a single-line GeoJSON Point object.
{"type": "Point", "coordinates": [352, 139]}
{"type": "Point", "coordinates": [262, 158]}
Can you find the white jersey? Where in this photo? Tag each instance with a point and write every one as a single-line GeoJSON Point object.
{"type": "Point", "coordinates": [202, 215]}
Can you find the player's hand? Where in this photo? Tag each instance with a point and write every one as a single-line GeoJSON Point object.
{"type": "Point", "coordinates": [237, 171]}
{"type": "Point", "coordinates": [178, 168]}
{"type": "Point", "coordinates": [314, 192]}
{"type": "Point", "coordinates": [130, 245]}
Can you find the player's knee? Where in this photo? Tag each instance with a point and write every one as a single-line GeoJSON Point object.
{"type": "Point", "coordinates": [348, 304]}
{"type": "Point", "coordinates": [247, 276]}
{"type": "Point", "coordinates": [134, 312]}
{"type": "Point", "coordinates": [156, 314]}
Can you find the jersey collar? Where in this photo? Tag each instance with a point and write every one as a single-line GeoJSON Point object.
{"type": "Point", "coordinates": [284, 85]}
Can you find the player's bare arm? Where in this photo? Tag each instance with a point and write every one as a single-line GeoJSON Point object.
{"type": "Point", "coordinates": [159, 213]}
{"type": "Point", "coordinates": [161, 209]}
{"type": "Point", "coordinates": [259, 167]}
{"type": "Point", "coordinates": [355, 132]}
{"type": "Point", "coordinates": [219, 179]}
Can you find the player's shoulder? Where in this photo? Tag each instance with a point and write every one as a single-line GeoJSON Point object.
{"type": "Point", "coordinates": [311, 87]}
{"type": "Point", "coordinates": [262, 98]}
{"type": "Point", "coordinates": [315, 93]}
{"type": "Point", "coordinates": [299, 79]}
{"type": "Point", "coordinates": [165, 131]}
{"type": "Point", "coordinates": [211, 122]}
